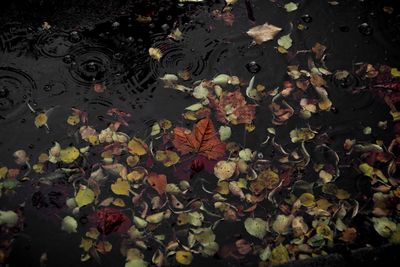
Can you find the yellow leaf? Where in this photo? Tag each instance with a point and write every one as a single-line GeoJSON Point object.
{"type": "Point", "coordinates": [40, 120]}
{"type": "Point", "coordinates": [69, 154]}
{"type": "Point", "coordinates": [307, 199]}
{"type": "Point", "coordinates": [167, 157]}
{"type": "Point", "coordinates": [73, 120]}
{"type": "Point", "coordinates": [86, 244]}
{"type": "Point", "coordinates": [184, 257]}
{"type": "Point", "coordinates": [118, 202]}
{"type": "Point", "coordinates": [121, 187]}
{"type": "Point", "coordinates": [155, 53]}
{"type": "Point", "coordinates": [84, 197]}
{"type": "Point", "coordinates": [135, 175]}
{"type": "Point", "coordinates": [132, 160]}
{"type": "Point", "coordinates": [395, 72]}
{"type": "Point", "coordinates": [93, 233]}
{"type": "Point", "coordinates": [137, 146]}
{"type": "Point", "coordinates": [3, 172]}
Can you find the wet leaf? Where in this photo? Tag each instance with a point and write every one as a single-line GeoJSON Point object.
{"type": "Point", "coordinates": [41, 120]}
{"type": "Point", "coordinates": [224, 132]}
{"type": "Point", "coordinates": [85, 196]}
{"type": "Point", "coordinates": [69, 154]}
{"type": "Point", "coordinates": [158, 182]}
{"type": "Point", "coordinates": [384, 226]}
{"type": "Point", "coordinates": [285, 41]}
{"type": "Point", "coordinates": [155, 53]}
{"type": "Point", "coordinates": [167, 157]}
{"type": "Point", "coordinates": [290, 6]}
{"type": "Point", "coordinates": [8, 218]}
{"type": "Point", "coordinates": [184, 257]}
{"type": "Point", "coordinates": [279, 255]}
{"type": "Point", "coordinates": [69, 224]}
{"type": "Point", "coordinates": [263, 33]}
{"type": "Point", "coordinates": [202, 140]}
{"type": "Point", "coordinates": [282, 224]}
{"type": "Point", "coordinates": [256, 227]}
{"type": "Point", "coordinates": [120, 187]}
{"type": "Point", "coordinates": [137, 146]}
{"type": "Point", "coordinates": [224, 169]}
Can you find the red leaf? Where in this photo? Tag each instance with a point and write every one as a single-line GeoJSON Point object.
{"type": "Point", "coordinates": [202, 140]}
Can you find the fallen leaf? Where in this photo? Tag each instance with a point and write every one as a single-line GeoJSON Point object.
{"type": "Point", "coordinates": [84, 197]}
{"type": "Point", "coordinates": [69, 224]}
{"type": "Point", "coordinates": [158, 182]}
{"type": "Point", "coordinates": [184, 257]}
{"type": "Point", "coordinates": [40, 120]}
{"type": "Point", "coordinates": [202, 140]}
{"type": "Point", "coordinates": [256, 227]}
{"type": "Point", "coordinates": [8, 218]}
{"type": "Point", "coordinates": [137, 146]}
{"type": "Point", "coordinates": [120, 187]}
{"type": "Point", "coordinates": [69, 154]}
{"type": "Point", "coordinates": [263, 33]}
{"type": "Point", "coordinates": [224, 169]}
{"type": "Point", "coordinates": [155, 53]}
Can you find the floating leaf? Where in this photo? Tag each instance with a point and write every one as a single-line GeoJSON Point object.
{"type": "Point", "coordinates": [263, 33]}
{"type": "Point", "coordinates": [84, 197]}
{"type": "Point", "coordinates": [8, 218]}
{"type": "Point", "coordinates": [158, 182]}
{"type": "Point", "coordinates": [184, 257]}
{"type": "Point", "coordinates": [120, 187]}
{"type": "Point", "coordinates": [256, 227]}
{"type": "Point", "coordinates": [225, 132]}
{"type": "Point", "coordinates": [167, 157]}
{"type": "Point", "coordinates": [155, 53]}
{"type": "Point", "coordinates": [137, 146]}
{"type": "Point", "coordinates": [290, 7]}
{"type": "Point", "coordinates": [279, 255]}
{"type": "Point", "coordinates": [224, 169]}
{"type": "Point", "coordinates": [69, 154]}
{"type": "Point", "coordinates": [69, 224]}
{"type": "Point", "coordinates": [40, 120]}
{"type": "Point", "coordinates": [202, 140]}
{"type": "Point", "coordinates": [285, 41]}
{"type": "Point", "coordinates": [384, 227]}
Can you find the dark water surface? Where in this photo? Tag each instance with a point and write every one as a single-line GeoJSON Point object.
{"type": "Point", "coordinates": [102, 42]}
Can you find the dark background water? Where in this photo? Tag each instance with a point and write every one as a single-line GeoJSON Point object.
{"type": "Point", "coordinates": [101, 41]}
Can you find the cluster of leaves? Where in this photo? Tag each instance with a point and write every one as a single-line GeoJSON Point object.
{"type": "Point", "coordinates": [289, 204]}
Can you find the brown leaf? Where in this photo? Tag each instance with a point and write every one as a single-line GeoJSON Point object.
{"type": "Point", "coordinates": [202, 140]}
{"type": "Point", "coordinates": [158, 182]}
{"type": "Point", "coordinates": [263, 33]}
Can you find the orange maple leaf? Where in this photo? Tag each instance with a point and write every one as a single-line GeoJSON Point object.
{"type": "Point", "coordinates": [202, 140]}
{"type": "Point", "coordinates": [158, 182]}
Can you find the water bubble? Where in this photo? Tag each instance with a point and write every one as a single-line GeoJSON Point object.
{"type": "Point", "coordinates": [253, 67]}
{"type": "Point", "coordinates": [365, 29]}
{"type": "Point", "coordinates": [115, 25]}
{"type": "Point", "coordinates": [306, 18]}
{"type": "Point", "coordinates": [67, 59]}
{"type": "Point", "coordinates": [74, 37]}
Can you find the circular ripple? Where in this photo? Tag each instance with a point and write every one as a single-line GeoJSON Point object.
{"type": "Point", "coordinates": [56, 44]}
{"type": "Point", "coordinates": [93, 64]}
{"type": "Point", "coordinates": [16, 89]}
